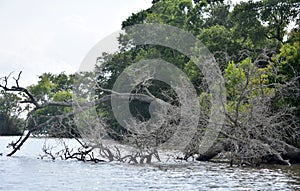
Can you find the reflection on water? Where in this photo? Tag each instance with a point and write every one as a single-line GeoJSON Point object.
{"type": "Point", "coordinates": [25, 172]}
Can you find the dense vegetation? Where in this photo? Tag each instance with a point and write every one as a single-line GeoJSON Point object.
{"type": "Point", "coordinates": [256, 45]}
{"type": "Point", "coordinates": [251, 44]}
{"type": "Point", "coordinates": [10, 122]}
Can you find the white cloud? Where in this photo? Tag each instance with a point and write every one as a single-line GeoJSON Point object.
{"type": "Point", "coordinates": [55, 36]}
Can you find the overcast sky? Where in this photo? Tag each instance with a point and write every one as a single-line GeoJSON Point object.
{"type": "Point", "coordinates": [54, 36]}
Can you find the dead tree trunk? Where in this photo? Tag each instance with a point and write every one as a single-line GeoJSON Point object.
{"type": "Point", "coordinates": [213, 151]}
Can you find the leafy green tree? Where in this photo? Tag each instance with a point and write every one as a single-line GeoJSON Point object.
{"type": "Point", "coordinates": [10, 121]}
{"type": "Point", "coordinates": [277, 15]}
{"type": "Point", "coordinates": [286, 70]}
{"type": "Point", "coordinates": [248, 30]}
{"type": "Point", "coordinates": [170, 12]}
{"type": "Point", "coordinates": [54, 88]}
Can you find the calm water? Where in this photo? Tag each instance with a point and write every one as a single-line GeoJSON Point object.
{"type": "Point", "coordinates": [25, 172]}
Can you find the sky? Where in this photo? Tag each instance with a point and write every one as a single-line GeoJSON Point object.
{"type": "Point", "coordinates": [55, 36]}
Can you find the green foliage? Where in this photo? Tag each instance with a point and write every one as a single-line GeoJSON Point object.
{"type": "Point", "coordinates": [54, 88]}
{"type": "Point", "coordinates": [245, 82]}
{"type": "Point", "coordinates": [238, 35]}
{"type": "Point", "coordinates": [287, 61]}
{"type": "Point", "coordinates": [278, 14]}
{"type": "Point", "coordinates": [43, 88]}
{"type": "Point", "coordinates": [172, 12]}
{"type": "Point", "coordinates": [285, 69]}
{"type": "Point", "coordinates": [10, 121]}
{"type": "Point", "coordinates": [49, 84]}
{"type": "Point", "coordinates": [205, 102]}
{"type": "Point", "coordinates": [216, 38]}
{"type": "Point", "coordinates": [234, 77]}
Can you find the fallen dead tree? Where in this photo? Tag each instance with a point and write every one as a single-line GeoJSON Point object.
{"type": "Point", "coordinates": [248, 138]}
{"type": "Point", "coordinates": [255, 130]}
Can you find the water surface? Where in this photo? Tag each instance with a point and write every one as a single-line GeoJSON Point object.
{"type": "Point", "coordinates": [25, 172]}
